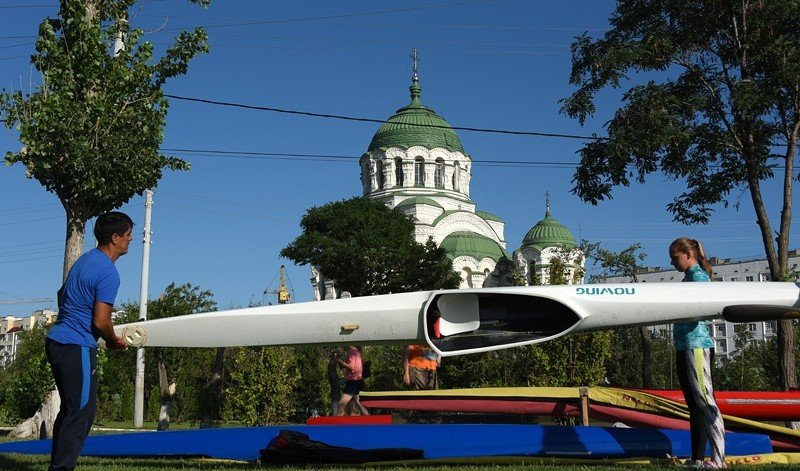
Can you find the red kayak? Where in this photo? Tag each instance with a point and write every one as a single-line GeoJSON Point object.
{"type": "Point", "coordinates": [754, 405]}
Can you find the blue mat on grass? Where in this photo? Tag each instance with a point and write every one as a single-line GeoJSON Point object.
{"type": "Point", "coordinates": [437, 441]}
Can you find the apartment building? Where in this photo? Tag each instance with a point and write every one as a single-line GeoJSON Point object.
{"type": "Point", "coordinates": [725, 269]}
{"type": "Point", "coordinates": [11, 327]}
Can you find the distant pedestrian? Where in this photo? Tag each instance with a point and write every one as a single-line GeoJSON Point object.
{"type": "Point", "coordinates": [354, 382]}
{"type": "Point", "coordinates": [85, 303]}
{"type": "Point", "coordinates": [420, 364]}
{"type": "Point", "coordinates": [694, 353]}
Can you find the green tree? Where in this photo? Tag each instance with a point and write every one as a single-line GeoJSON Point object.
{"type": "Point", "coordinates": [745, 371]}
{"type": "Point", "coordinates": [190, 368]}
{"type": "Point", "coordinates": [90, 132]}
{"type": "Point", "coordinates": [624, 263]}
{"type": "Point", "coordinates": [259, 389]}
{"type": "Point", "coordinates": [369, 249]}
{"type": "Point", "coordinates": [573, 360]}
{"type": "Point", "coordinates": [28, 380]}
{"type": "Point", "coordinates": [724, 113]}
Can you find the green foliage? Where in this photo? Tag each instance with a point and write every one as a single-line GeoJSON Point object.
{"type": "Point", "coordinates": [387, 367]}
{"type": "Point", "coordinates": [28, 380]}
{"type": "Point", "coordinates": [573, 360]}
{"type": "Point", "coordinates": [723, 115]}
{"type": "Point", "coordinates": [623, 263]}
{"type": "Point", "coordinates": [191, 368]}
{"type": "Point", "coordinates": [259, 390]}
{"type": "Point", "coordinates": [626, 354]}
{"type": "Point", "coordinates": [746, 371]}
{"type": "Point", "coordinates": [369, 249]}
{"type": "Point", "coordinates": [312, 390]}
{"type": "Point", "coordinates": [91, 131]}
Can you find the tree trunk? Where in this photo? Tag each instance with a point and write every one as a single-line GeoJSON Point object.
{"type": "Point", "coordinates": [167, 396]}
{"type": "Point", "coordinates": [41, 424]}
{"type": "Point", "coordinates": [212, 390]}
{"type": "Point", "coordinates": [647, 358]}
{"type": "Point", "coordinates": [73, 248]}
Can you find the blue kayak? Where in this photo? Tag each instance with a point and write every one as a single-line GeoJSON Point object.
{"type": "Point", "coordinates": [436, 441]}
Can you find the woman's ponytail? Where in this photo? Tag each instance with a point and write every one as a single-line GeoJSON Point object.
{"type": "Point", "coordinates": [701, 258]}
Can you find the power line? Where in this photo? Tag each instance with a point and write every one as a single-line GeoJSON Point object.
{"type": "Point", "coordinates": [380, 121]}
{"type": "Point", "coordinates": [343, 15]}
{"type": "Point", "coordinates": [38, 5]}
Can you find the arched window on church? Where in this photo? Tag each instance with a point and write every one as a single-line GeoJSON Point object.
{"type": "Point", "coordinates": [398, 172]}
{"type": "Point", "coordinates": [532, 278]}
{"type": "Point", "coordinates": [419, 171]}
{"type": "Point", "coordinates": [379, 171]}
{"type": "Point", "coordinates": [456, 175]}
{"type": "Point", "coordinates": [438, 174]}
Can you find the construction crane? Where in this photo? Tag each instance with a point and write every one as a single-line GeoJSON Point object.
{"type": "Point", "coordinates": [284, 291]}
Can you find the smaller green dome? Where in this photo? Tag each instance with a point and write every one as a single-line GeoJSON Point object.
{"type": "Point", "coordinates": [549, 233]}
{"type": "Point", "coordinates": [473, 245]}
{"type": "Point", "coordinates": [415, 200]}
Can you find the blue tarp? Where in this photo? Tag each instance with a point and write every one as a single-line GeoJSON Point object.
{"type": "Point", "coordinates": [437, 441]}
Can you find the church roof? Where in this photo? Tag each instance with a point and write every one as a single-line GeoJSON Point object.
{"type": "Point", "coordinates": [472, 245]}
{"type": "Point", "coordinates": [415, 200]}
{"type": "Point", "coordinates": [549, 233]}
{"type": "Point", "coordinates": [488, 216]}
{"type": "Point", "coordinates": [416, 125]}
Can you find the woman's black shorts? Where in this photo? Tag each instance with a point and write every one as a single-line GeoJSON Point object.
{"type": "Point", "coordinates": [353, 387]}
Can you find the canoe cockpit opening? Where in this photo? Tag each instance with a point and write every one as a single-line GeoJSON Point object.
{"type": "Point", "coordinates": [466, 321]}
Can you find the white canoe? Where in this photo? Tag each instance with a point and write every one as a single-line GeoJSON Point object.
{"type": "Point", "coordinates": [472, 320]}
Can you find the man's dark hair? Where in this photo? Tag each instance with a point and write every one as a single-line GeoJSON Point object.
{"type": "Point", "coordinates": [109, 224]}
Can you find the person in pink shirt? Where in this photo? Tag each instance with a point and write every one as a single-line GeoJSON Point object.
{"type": "Point", "coordinates": [354, 382]}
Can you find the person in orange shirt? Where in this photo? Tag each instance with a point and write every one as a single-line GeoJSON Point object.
{"type": "Point", "coordinates": [419, 367]}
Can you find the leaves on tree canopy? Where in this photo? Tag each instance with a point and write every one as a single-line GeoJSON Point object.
{"type": "Point", "coordinates": [729, 99]}
{"type": "Point", "coordinates": [369, 249]}
{"type": "Point", "coordinates": [92, 129]}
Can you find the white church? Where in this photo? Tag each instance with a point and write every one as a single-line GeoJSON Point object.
{"type": "Point", "coordinates": [416, 164]}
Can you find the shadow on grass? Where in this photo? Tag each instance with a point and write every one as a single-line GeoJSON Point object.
{"type": "Point", "coordinates": [19, 462]}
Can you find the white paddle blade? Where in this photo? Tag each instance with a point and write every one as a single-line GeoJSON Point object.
{"type": "Point", "coordinates": [459, 313]}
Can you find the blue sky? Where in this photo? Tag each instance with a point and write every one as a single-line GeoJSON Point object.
{"type": "Point", "coordinates": [500, 64]}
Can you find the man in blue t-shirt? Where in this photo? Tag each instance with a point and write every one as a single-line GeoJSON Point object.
{"type": "Point", "coordinates": [85, 304]}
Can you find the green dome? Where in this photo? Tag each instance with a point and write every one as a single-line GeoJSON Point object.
{"type": "Point", "coordinates": [415, 200]}
{"type": "Point", "coordinates": [473, 245]}
{"type": "Point", "coordinates": [549, 233]}
{"type": "Point", "coordinates": [416, 125]}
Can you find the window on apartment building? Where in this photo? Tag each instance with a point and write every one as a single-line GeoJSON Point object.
{"type": "Point", "coordinates": [770, 327]}
{"type": "Point", "coordinates": [733, 278]}
{"type": "Point", "coordinates": [748, 278]}
{"type": "Point", "coordinates": [719, 330]}
{"type": "Point", "coordinates": [717, 278]}
{"type": "Point", "coordinates": [751, 327]}
{"type": "Point", "coordinates": [764, 277]}
{"type": "Point", "coordinates": [721, 346]}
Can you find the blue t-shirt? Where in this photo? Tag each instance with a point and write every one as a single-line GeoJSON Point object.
{"type": "Point", "coordinates": [692, 335]}
{"type": "Point", "coordinates": [92, 278]}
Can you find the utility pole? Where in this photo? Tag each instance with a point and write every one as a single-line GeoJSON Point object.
{"type": "Point", "coordinates": [138, 404]}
